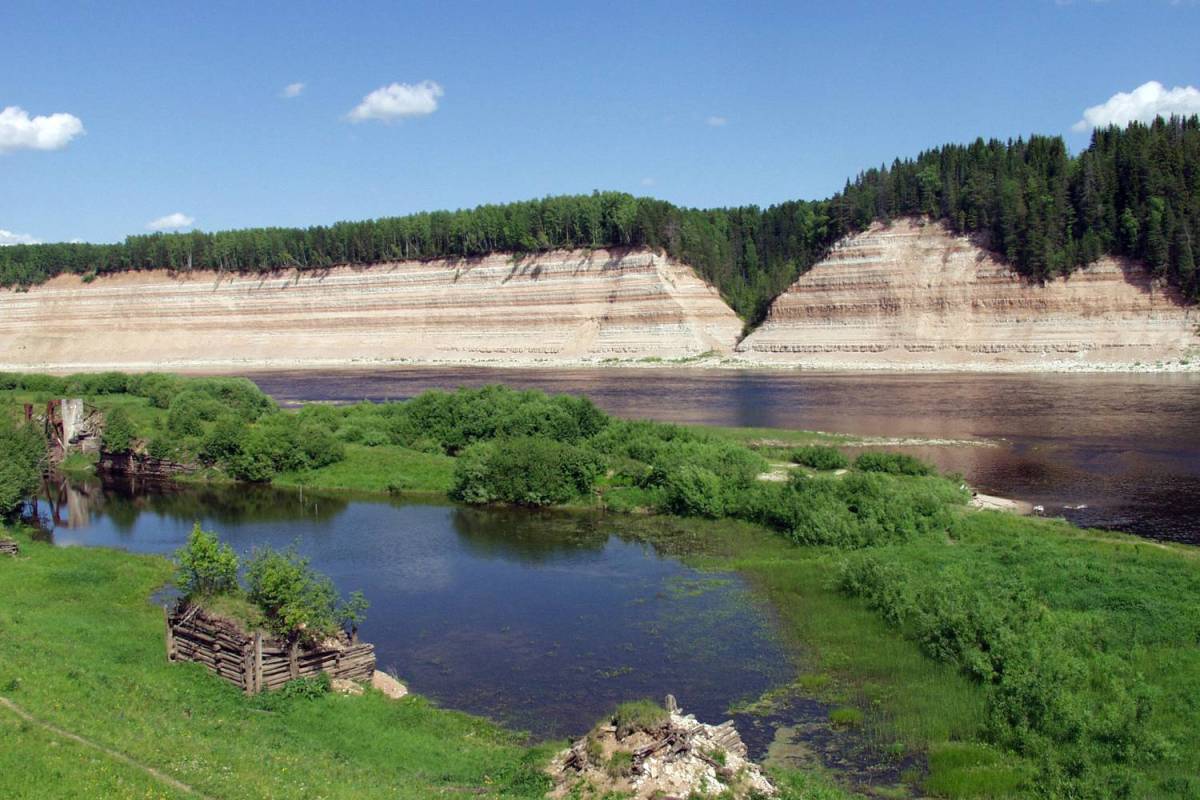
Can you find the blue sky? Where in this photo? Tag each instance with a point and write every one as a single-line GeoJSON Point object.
{"type": "Point", "coordinates": [702, 104]}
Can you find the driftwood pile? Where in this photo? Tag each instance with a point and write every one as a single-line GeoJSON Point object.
{"type": "Point", "coordinates": [256, 663]}
{"type": "Point", "coordinates": [678, 758]}
{"type": "Point", "coordinates": [8, 547]}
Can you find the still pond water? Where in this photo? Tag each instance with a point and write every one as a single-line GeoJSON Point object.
{"type": "Point", "coordinates": [542, 621]}
{"type": "Point", "coordinates": [1114, 451]}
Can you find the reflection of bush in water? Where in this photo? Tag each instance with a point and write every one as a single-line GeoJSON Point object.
{"type": "Point", "coordinates": [125, 500]}
{"type": "Point", "coordinates": [530, 535]}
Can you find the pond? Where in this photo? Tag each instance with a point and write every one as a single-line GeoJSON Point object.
{"type": "Point", "coordinates": [542, 621]}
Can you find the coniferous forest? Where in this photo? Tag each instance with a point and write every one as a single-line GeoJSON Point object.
{"type": "Point", "coordinates": [1132, 192]}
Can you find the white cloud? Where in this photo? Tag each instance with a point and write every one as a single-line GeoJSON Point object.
{"type": "Point", "coordinates": [171, 222]}
{"type": "Point", "coordinates": [19, 131]}
{"type": "Point", "coordinates": [292, 90]}
{"type": "Point", "coordinates": [398, 100]}
{"type": "Point", "coordinates": [1143, 104]}
{"type": "Point", "coordinates": [647, 181]}
{"type": "Point", "coordinates": [8, 237]}
{"type": "Point", "coordinates": [716, 122]}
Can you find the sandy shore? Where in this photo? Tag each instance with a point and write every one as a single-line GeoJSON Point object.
{"type": "Point", "coordinates": [224, 365]}
{"type": "Point", "coordinates": [987, 502]}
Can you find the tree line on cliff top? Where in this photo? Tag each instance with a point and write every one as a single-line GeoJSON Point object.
{"type": "Point", "coordinates": [1133, 192]}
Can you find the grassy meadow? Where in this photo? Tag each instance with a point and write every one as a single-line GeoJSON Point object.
{"type": "Point", "coordinates": [1001, 656]}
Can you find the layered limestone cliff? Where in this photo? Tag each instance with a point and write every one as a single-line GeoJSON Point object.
{"type": "Point", "coordinates": [559, 307]}
{"type": "Point", "coordinates": [912, 294]}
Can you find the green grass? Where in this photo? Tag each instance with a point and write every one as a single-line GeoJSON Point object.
{"type": "Point", "coordinates": [850, 656]}
{"type": "Point", "coordinates": [846, 717]}
{"type": "Point", "coordinates": [379, 470]}
{"type": "Point", "coordinates": [81, 648]}
{"type": "Point", "coordinates": [77, 465]}
{"type": "Point", "coordinates": [38, 765]}
{"type": "Point", "coordinates": [638, 715]}
{"type": "Point", "coordinates": [1126, 606]}
{"type": "Point", "coordinates": [965, 769]}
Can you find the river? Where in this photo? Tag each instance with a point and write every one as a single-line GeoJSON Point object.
{"type": "Point", "coordinates": [1117, 451]}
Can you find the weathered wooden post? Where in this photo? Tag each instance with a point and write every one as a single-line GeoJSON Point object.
{"type": "Point", "coordinates": [293, 660]}
{"type": "Point", "coordinates": [258, 662]}
{"type": "Point", "coordinates": [248, 668]}
{"type": "Point", "coordinates": [170, 634]}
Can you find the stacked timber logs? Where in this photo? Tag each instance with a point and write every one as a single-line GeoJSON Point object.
{"type": "Point", "coordinates": [255, 663]}
{"type": "Point", "coordinates": [8, 547]}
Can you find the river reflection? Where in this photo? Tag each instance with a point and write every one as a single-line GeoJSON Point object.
{"type": "Point", "coordinates": [542, 621]}
{"type": "Point", "coordinates": [1125, 447]}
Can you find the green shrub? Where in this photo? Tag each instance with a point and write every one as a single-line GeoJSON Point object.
{"type": "Point", "coordinates": [858, 510]}
{"type": "Point", "coordinates": [44, 384]}
{"type": "Point", "coordinates": [456, 420]}
{"type": "Point", "coordinates": [223, 443]}
{"type": "Point", "coordinates": [252, 464]}
{"type": "Point", "coordinates": [1057, 690]}
{"type": "Point", "coordinates": [295, 690]}
{"type": "Point", "coordinates": [282, 442]}
{"type": "Point", "coordinates": [695, 492]}
{"type": "Point", "coordinates": [524, 471]}
{"type": "Point", "coordinates": [353, 612]}
{"type": "Point", "coordinates": [159, 388]}
{"type": "Point", "coordinates": [237, 395]}
{"type": "Point", "coordinates": [892, 464]}
{"type": "Point", "coordinates": [189, 411]}
{"type": "Point", "coordinates": [295, 599]}
{"type": "Point", "coordinates": [820, 457]}
{"type": "Point", "coordinates": [22, 456]}
{"type": "Point", "coordinates": [97, 383]}
{"type": "Point", "coordinates": [206, 566]}
{"type": "Point", "coordinates": [119, 435]}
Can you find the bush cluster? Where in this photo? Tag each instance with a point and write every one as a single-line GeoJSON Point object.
{"type": "Point", "coordinates": [857, 510]}
{"type": "Point", "coordinates": [207, 568]}
{"type": "Point", "coordinates": [1057, 690]}
{"type": "Point", "coordinates": [119, 434]}
{"type": "Point", "coordinates": [892, 464]}
{"type": "Point", "coordinates": [456, 420]}
{"type": "Point", "coordinates": [295, 601]}
{"type": "Point", "coordinates": [526, 471]}
{"type": "Point", "coordinates": [22, 455]}
{"type": "Point", "coordinates": [820, 457]}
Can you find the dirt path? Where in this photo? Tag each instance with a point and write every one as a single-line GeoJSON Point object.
{"type": "Point", "coordinates": [113, 754]}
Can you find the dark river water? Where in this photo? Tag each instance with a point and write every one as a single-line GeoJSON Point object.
{"type": "Point", "coordinates": [1114, 451]}
{"type": "Point", "coordinates": [542, 621]}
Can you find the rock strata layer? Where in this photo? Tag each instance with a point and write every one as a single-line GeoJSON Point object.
{"type": "Point", "coordinates": [913, 294]}
{"type": "Point", "coordinates": [559, 307]}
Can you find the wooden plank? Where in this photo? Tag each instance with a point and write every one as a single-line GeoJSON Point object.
{"type": "Point", "coordinates": [170, 635]}
{"type": "Point", "coordinates": [258, 662]}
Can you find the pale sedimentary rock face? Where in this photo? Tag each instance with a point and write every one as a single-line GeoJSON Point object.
{"type": "Point", "coordinates": [912, 293]}
{"type": "Point", "coordinates": [557, 307]}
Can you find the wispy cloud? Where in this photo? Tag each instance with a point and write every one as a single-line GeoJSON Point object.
{"type": "Point", "coordinates": [292, 90]}
{"type": "Point", "coordinates": [398, 100]}
{"type": "Point", "coordinates": [171, 222]}
{"type": "Point", "coordinates": [19, 131]}
{"type": "Point", "coordinates": [8, 237]}
{"type": "Point", "coordinates": [716, 121]}
{"type": "Point", "coordinates": [1143, 104]}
